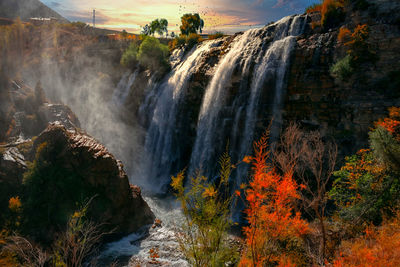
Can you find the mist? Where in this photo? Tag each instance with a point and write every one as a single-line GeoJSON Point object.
{"type": "Point", "coordinates": [82, 74]}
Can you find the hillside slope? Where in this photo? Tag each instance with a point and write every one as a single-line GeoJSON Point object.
{"type": "Point", "coordinates": [26, 9]}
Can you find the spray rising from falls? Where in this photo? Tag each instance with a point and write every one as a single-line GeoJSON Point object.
{"type": "Point", "coordinates": [269, 50]}
{"type": "Point", "coordinates": [161, 140]}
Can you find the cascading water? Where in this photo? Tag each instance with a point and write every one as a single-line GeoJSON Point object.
{"type": "Point", "coordinates": [161, 140]}
{"type": "Point", "coordinates": [123, 88]}
{"type": "Point", "coordinates": [273, 65]}
{"type": "Point", "coordinates": [271, 60]}
{"type": "Point", "coordinates": [259, 59]}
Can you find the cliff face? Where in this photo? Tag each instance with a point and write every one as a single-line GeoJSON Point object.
{"type": "Point", "coordinates": [346, 109]}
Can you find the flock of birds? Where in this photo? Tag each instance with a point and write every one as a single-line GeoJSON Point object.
{"type": "Point", "coordinates": [212, 18]}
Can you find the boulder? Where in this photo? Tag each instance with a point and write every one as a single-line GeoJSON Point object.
{"type": "Point", "coordinates": [100, 176]}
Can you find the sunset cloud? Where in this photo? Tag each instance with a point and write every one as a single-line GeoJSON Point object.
{"type": "Point", "coordinates": [219, 15]}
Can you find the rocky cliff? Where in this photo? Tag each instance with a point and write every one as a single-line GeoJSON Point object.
{"type": "Point", "coordinates": [347, 109]}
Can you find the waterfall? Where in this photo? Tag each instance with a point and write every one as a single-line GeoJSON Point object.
{"type": "Point", "coordinates": [209, 125]}
{"type": "Point", "coordinates": [270, 60]}
{"type": "Point", "coordinates": [161, 140]}
{"type": "Point", "coordinates": [123, 88]}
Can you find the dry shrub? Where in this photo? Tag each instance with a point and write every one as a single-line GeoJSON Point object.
{"type": "Point", "coordinates": [380, 246]}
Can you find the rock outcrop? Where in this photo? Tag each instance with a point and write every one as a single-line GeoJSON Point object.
{"type": "Point", "coordinates": [116, 203]}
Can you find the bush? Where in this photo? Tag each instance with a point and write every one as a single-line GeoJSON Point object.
{"type": "Point", "coordinates": [178, 42]}
{"type": "Point", "coordinates": [275, 227]}
{"type": "Point", "coordinates": [182, 40]}
{"type": "Point", "coordinates": [331, 13]}
{"type": "Point", "coordinates": [153, 55]}
{"type": "Point", "coordinates": [206, 208]}
{"type": "Point", "coordinates": [378, 247]}
{"type": "Point", "coordinates": [129, 57]}
{"type": "Point", "coordinates": [314, 8]}
{"type": "Point", "coordinates": [343, 68]}
{"type": "Point", "coordinates": [367, 186]}
{"type": "Point", "coordinates": [344, 35]}
{"type": "Point", "coordinates": [192, 40]}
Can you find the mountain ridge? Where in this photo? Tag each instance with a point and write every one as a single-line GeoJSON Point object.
{"type": "Point", "coordinates": [26, 9]}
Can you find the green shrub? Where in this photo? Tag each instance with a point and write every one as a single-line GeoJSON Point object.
{"type": "Point", "coordinates": [343, 68]}
{"type": "Point", "coordinates": [129, 57]}
{"type": "Point", "coordinates": [153, 55]}
{"type": "Point", "coordinates": [206, 208]}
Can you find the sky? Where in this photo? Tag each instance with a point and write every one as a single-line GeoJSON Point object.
{"type": "Point", "coordinates": [228, 16]}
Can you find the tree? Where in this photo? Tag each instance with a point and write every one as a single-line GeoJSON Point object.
{"type": "Point", "coordinates": [274, 225]}
{"type": "Point", "coordinates": [206, 209]}
{"type": "Point", "coordinates": [153, 55]}
{"type": "Point", "coordinates": [191, 23]}
{"type": "Point", "coordinates": [367, 186]}
{"type": "Point", "coordinates": [312, 161]}
{"type": "Point", "coordinates": [129, 57]}
{"type": "Point", "coordinates": [146, 30]}
{"type": "Point", "coordinates": [158, 26]}
{"type": "Point", "coordinates": [163, 27]}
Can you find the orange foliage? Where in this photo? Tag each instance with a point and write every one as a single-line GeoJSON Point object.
{"type": "Point", "coordinates": [392, 124]}
{"type": "Point", "coordinates": [247, 159]}
{"type": "Point", "coordinates": [344, 35]}
{"type": "Point", "coordinates": [379, 247]}
{"type": "Point", "coordinates": [329, 5]}
{"type": "Point", "coordinates": [270, 212]}
{"type": "Point", "coordinates": [325, 7]}
{"type": "Point", "coordinates": [314, 8]}
{"type": "Point", "coordinates": [14, 204]}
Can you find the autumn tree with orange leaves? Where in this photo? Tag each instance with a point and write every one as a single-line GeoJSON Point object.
{"type": "Point", "coordinates": [275, 227]}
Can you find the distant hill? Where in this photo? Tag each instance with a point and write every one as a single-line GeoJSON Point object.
{"type": "Point", "coordinates": [26, 9]}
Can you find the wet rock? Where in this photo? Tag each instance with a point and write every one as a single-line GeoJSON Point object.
{"type": "Point", "coordinates": [117, 203]}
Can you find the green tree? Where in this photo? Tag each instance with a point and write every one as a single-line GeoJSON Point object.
{"type": "Point", "coordinates": [146, 30]}
{"type": "Point", "coordinates": [129, 57]}
{"type": "Point", "coordinates": [159, 26]}
{"type": "Point", "coordinates": [206, 210]}
{"type": "Point", "coordinates": [153, 55]}
{"type": "Point", "coordinates": [368, 185]}
{"type": "Point", "coordinates": [191, 23]}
